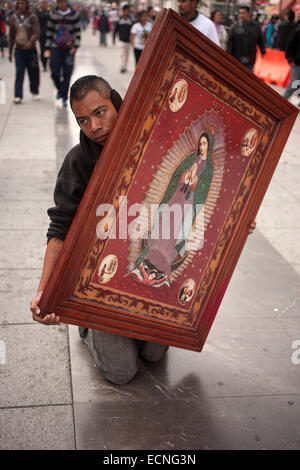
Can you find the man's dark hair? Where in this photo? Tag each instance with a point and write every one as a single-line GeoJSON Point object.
{"type": "Point", "coordinates": [126, 7]}
{"type": "Point", "coordinates": [84, 85]}
{"type": "Point", "coordinates": [88, 83]}
{"type": "Point", "coordinates": [245, 7]}
{"type": "Point", "coordinates": [27, 4]}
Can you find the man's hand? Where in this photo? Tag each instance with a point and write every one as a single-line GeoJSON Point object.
{"type": "Point", "coordinates": [73, 51]}
{"type": "Point", "coordinates": [10, 57]}
{"type": "Point", "coordinates": [252, 227]}
{"type": "Point", "coordinates": [50, 319]}
{"type": "Point", "coordinates": [47, 53]}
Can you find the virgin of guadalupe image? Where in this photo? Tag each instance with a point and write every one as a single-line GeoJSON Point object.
{"type": "Point", "coordinates": [187, 181]}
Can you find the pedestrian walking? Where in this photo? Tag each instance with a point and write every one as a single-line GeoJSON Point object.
{"type": "Point", "coordinates": [151, 14]}
{"type": "Point", "coordinates": [24, 31]}
{"type": "Point", "coordinates": [113, 19]}
{"type": "Point", "coordinates": [139, 34]}
{"type": "Point", "coordinates": [103, 27]}
{"type": "Point", "coordinates": [84, 18]}
{"type": "Point", "coordinates": [218, 20]}
{"type": "Point", "coordinates": [188, 10]}
{"type": "Point", "coordinates": [284, 30]}
{"type": "Point", "coordinates": [271, 31]}
{"type": "Point", "coordinates": [43, 15]}
{"type": "Point", "coordinates": [96, 18]}
{"type": "Point", "coordinates": [3, 38]}
{"type": "Point", "coordinates": [63, 40]}
{"type": "Point", "coordinates": [244, 37]}
{"type": "Point", "coordinates": [123, 28]}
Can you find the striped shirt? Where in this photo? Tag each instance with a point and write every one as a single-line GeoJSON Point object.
{"type": "Point", "coordinates": [56, 19]}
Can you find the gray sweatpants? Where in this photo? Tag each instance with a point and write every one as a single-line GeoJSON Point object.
{"type": "Point", "coordinates": [117, 356]}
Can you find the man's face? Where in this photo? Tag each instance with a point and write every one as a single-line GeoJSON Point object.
{"type": "Point", "coordinates": [62, 5]}
{"type": "Point", "coordinates": [22, 6]}
{"type": "Point", "coordinates": [126, 12]}
{"type": "Point", "coordinates": [244, 15]}
{"type": "Point", "coordinates": [187, 8]}
{"type": "Point", "coordinates": [95, 115]}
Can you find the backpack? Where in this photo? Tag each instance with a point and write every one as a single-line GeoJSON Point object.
{"type": "Point", "coordinates": [22, 36]}
{"type": "Point", "coordinates": [63, 38]}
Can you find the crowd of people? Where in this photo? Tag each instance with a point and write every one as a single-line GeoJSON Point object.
{"type": "Point", "coordinates": [57, 28]}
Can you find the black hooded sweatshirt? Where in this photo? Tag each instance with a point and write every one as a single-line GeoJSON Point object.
{"type": "Point", "coordinates": [72, 180]}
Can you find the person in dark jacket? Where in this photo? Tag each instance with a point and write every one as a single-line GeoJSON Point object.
{"type": "Point", "coordinates": [95, 106]}
{"type": "Point", "coordinates": [62, 43]}
{"type": "Point", "coordinates": [123, 27]}
{"type": "Point", "coordinates": [43, 15]}
{"type": "Point", "coordinates": [244, 36]}
{"type": "Point", "coordinates": [103, 26]}
{"type": "Point", "coordinates": [284, 30]}
{"type": "Point", "coordinates": [292, 53]}
{"type": "Point", "coordinates": [24, 31]}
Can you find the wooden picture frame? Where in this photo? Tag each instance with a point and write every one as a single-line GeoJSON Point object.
{"type": "Point", "coordinates": [183, 85]}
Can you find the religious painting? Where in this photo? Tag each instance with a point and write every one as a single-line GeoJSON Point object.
{"type": "Point", "coordinates": [167, 211]}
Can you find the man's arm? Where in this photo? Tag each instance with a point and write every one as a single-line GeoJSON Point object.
{"type": "Point", "coordinates": [261, 42]}
{"type": "Point", "coordinates": [50, 31]}
{"type": "Point", "coordinates": [35, 30]}
{"type": "Point", "coordinates": [11, 37]}
{"type": "Point", "coordinates": [290, 47]}
{"type": "Point", "coordinates": [53, 249]}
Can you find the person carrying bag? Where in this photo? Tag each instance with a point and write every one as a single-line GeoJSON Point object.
{"type": "Point", "coordinates": [24, 31]}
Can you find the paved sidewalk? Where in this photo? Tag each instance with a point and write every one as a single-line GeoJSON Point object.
{"type": "Point", "coordinates": [241, 392]}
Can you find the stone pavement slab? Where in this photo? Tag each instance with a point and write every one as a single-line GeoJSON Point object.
{"type": "Point", "coordinates": [19, 281]}
{"type": "Point", "coordinates": [22, 249]}
{"type": "Point", "coordinates": [37, 428]}
{"type": "Point", "coordinates": [37, 368]}
{"type": "Point", "coordinates": [204, 424]}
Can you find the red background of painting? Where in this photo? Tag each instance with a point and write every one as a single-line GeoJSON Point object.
{"type": "Point", "coordinates": [168, 127]}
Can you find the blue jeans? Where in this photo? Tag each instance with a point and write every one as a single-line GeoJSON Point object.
{"type": "Point", "coordinates": [293, 86]}
{"type": "Point", "coordinates": [61, 65]}
{"type": "Point", "coordinates": [103, 38]}
{"type": "Point", "coordinates": [26, 59]}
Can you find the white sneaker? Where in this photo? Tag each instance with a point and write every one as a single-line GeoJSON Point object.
{"type": "Point", "coordinates": [17, 100]}
{"type": "Point", "coordinates": [36, 97]}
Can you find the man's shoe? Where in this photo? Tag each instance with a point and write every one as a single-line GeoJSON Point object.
{"type": "Point", "coordinates": [17, 100]}
{"type": "Point", "coordinates": [123, 70]}
{"type": "Point", "coordinates": [36, 97]}
{"type": "Point", "coordinates": [83, 332]}
{"type": "Point", "coordinates": [58, 95]}
{"type": "Point", "coordinates": [65, 102]}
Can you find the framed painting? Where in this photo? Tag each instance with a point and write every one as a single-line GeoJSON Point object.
{"type": "Point", "coordinates": [167, 211]}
